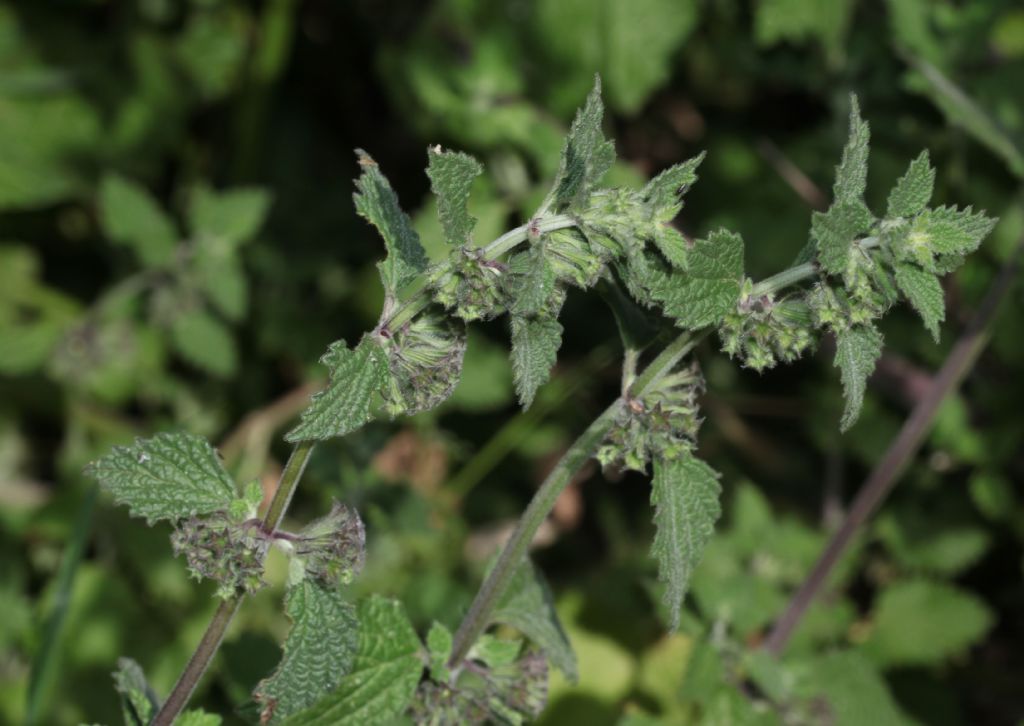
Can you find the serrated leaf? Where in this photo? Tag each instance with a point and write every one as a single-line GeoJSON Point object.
{"type": "Point", "coordinates": [913, 191]}
{"type": "Point", "coordinates": [684, 493]}
{"type": "Point", "coordinates": [533, 280]}
{"type": "Point", "coordinates": [344, 405]}
{"type": "Point", "coordinates": [834, 232]}
{"type": "Point", "coordinates": [919, 622]}
{"type": "Point", "coordinates": [950, 231]}
{"type": "Point", "coordinates": [535, 344]}
{"type": "Point", "coordinates": [451, 177]}
{"type": "Point", "coordinates": [388, 667]}
{"type": "Point", "coordinates": [586, 156]}
{"type": "Point", "coordinates": [672, 244]}
{"type": "Point", "coordinates": [924, 292]}
{"type": "Point", "coordinates": [206, 342]}
{"type": "Point", "coordinates": [131, 216]}
{"type": "Point", "coordinates": [857, 350]}
{"type": "Point", "coordinates": [527, 606]}
{"type": "Point", "coordinates": [138, 701]}
{"type": "Point", "coordinates": [377, 202]}
{"type": "Point", "coordinates": [230, 217]}
{"type": "Point", "coordinates": [710, 286]}
{"type": "Point", "coordinates": [319, 651]}
{"type": "Point", "coordinates": [662, 195]}
{"type": "Point", "coordinates": [170, 476]}
{"type": "Point", "coordinates": [852, 172]}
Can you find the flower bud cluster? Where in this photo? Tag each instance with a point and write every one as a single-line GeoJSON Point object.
{"type": "Point", "coordinates": [332, 549]}
{"type": "Point", "coordinates": [663, 423]}
{"type": "Point", "coordinates": [762, 331]}
{"type": "Point", "coordinates": [222, 548]}
{"type": "Point", "coordinates": [472, 287]}
{"type": "Point", "coordinates": [425, 359]}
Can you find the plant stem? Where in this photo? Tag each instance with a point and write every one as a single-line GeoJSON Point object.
{"type": "Point", "coordinates": [801, 272]}
{"type": "Point", "coordinates": [419, 298]}
{"type": "Point", "coordinates": [886, 474]}
{"type": "Point", "coordinates": [204, 652]}
{"type": "Point", "coordinates": [478, 617]}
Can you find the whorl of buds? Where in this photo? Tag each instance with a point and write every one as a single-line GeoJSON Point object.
{"type": "Point", "coordinates": [661, 424]}
{"type": "Point", "coordinates": [331, 549]}
{"type": "Point", "coordinates": [472, 288]}
{"type": "Point", "coordinates": [222, 548]}
{"type": "Point", "coordinates": [763, 331]}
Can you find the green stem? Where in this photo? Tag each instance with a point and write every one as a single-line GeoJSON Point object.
{"type": "Point", "coordinates": [419, 297]}
{"type": "Point", "coordinates": [478, 617]}
{"type": "Point", "coordinates": [210, 642]}
{"type": "Point", "coordinates": [799, 273]}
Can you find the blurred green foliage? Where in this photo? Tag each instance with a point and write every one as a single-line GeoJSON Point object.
{"type": "Point", "coordinates": [178, 246]}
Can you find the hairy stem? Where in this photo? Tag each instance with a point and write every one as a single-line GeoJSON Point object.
{"type": "Point", "coordinates": [210, 642]}
{"type": "Point", "coordinates": [478, 617]}
{"type": "Point", "coordinates": [903, 448]}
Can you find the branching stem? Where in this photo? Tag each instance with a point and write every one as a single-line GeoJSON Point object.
{"type": "Point", "coordinates": [210, 642]}
{"type": "Point", "coordinates": [579, 453]}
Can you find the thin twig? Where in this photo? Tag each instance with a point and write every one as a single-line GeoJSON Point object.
{"type": "Point", "coordinates": [886, 474]}
{"type": "Point", "coordinates": [793, 175]}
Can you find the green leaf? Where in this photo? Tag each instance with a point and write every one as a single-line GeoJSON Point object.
{"type": "Point", "coordinates": [205, 342]}
{"type": "Point", "coordinates": [439, 646]}
{"type": "Point", "coordinates": [663, 194]}
{"type": "Point", "coordinates": [451, 178]}
{"type": "Point", "coordinates": [586, 156]}
{"type": "Point", "coordinates": [319, 651]}
{"type": "Point", "coordinates": [223, 282]}
{"type": "Point", "coordinates": [230, 217]}
{"type": "Point", "coordinates": [919, 622]}
{"type": "Point", "coordinates": [950, 231]}
{"type": "Point", "coordinates": [797, 21]}
{"type": "Point", "coordinates": [631, 42]}
{"type": "Point", "coordinates": [535, 344]}
{"type": "Point", "coordinates": [170, 476]}
{"type": "Point", "coordinates": [710, 287]}
{"type": "Point", "coordinates": [377, 202]}
{"type": "Point", "coordinates": [198, 718]}
{"type": "Point", "coordinates": [849, 689]}
{"type": "Point", "coordinates": [924, 293]}
{"type": "Point", "coordinates": [533, 280]}
{"type": "Point", "coordinates": [857, 350]}
{"type": "Point", "coordinates": [132, 217]}
{"type": "Point", "coordinates": [138, 701]}
{"type": "Point", "coordinates": [913, 191]}
{"type": "Point", "coordinates": [852, 172]}
{"type": "Point", "coordinates": [684, 493]}
{"type": "Point", "coordinates": [388, 667]}
{"type": "Point", "coordinates": [344, 405]}
{"type": "Point", "coordinates": [836, 230]}
{"type": "Point", "coordinates": [527, 606]}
